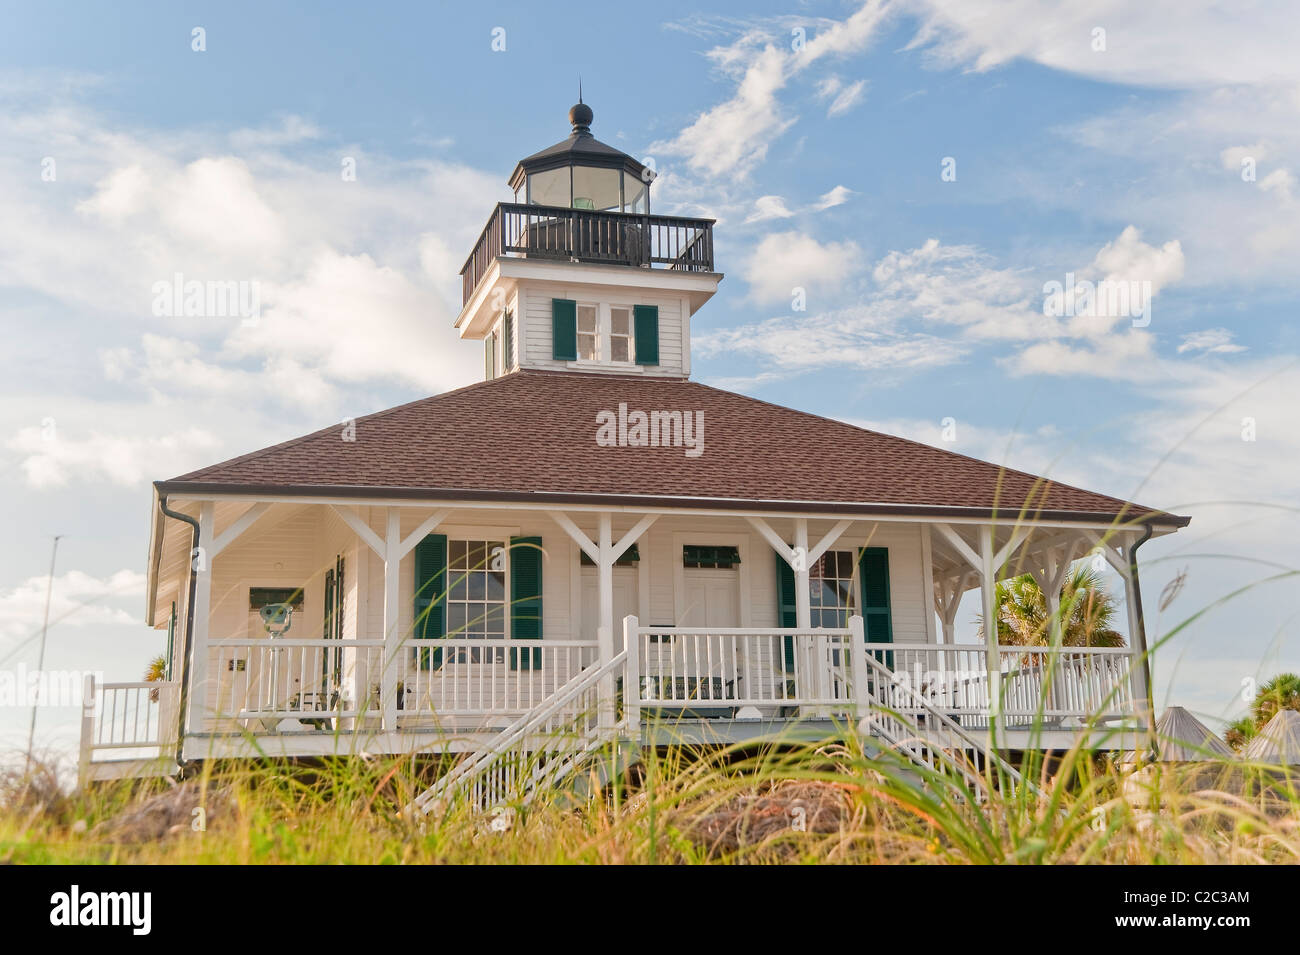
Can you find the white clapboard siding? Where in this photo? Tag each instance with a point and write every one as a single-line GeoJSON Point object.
{"type": "Point", "coordinates": [536, 312]}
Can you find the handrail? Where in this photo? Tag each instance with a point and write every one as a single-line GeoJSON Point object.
{"type": "Point", "coordinates": [882, 672]}
{"type": "Point", "coordinates": [517, 732]}
{"type": "Point", "coordinates": [620, 238]}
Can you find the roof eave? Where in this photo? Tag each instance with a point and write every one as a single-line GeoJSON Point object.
{"type": "Point", "coordinates": [1134, 518]}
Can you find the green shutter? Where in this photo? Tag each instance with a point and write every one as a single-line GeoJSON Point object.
{"type": "Point", "coordinates": [564, 329]}
{"type": "Point", "coordinates": [526, 599]}
{"type": "Point", "coordinates": [873, 569]}
{"type": "Point", "coordinates": [171, 640]}
{"type": "Point", "coordinates": [508, 351]}
{"type": "Point", "coordinates": [646, 321]}
{"type": "Point", "coordinates": [786, 609]}
{"type": "Point", "coordinates": [430, 591]}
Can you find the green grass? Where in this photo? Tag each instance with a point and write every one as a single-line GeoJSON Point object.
{"type": "Point", "coordinates": [683, 806]}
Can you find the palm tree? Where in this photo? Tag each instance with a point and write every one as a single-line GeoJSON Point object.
{"type": "Point", "coordinates": [1240, 733]}
{"type": "Point", "coordinates": [1280, 693]}
{"type": "Point", "coordinates": [1087, 612]}
{"type": "Point", "coordinates": [155, 672]}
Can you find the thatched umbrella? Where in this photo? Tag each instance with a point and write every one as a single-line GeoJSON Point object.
{"type": "Point", "coordinates": [1278, 743]}
{"type": "Point", "coordinates": [1182, 738]}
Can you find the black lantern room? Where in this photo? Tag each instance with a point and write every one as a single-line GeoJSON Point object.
{"type": "Point", "coordinates": [583, 173]}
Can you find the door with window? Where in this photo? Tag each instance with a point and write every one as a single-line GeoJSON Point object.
{"type": "Point", "coordinates": [703, 666]}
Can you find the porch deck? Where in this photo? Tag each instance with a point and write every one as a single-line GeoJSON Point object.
{"type": "Point", "coordinates": [304, 698]}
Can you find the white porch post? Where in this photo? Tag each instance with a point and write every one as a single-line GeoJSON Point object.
{"type": "Point", "coordinates": [196, 711]}
{"type": "Point", "coordinates": [604, 551]}
{"type": "Point", "coordinates": [605, 631]}
{"type": "Point", "coordinates": [392, 639]}
{"type": "Point", "coordinates": [802, 602]}
{"type": "Point", "coordinates": [1121, 558]}
{"type": "Point", "coordinates": [1139, 662]}
{"type": "Point", "coordinates": [632, 675]}
{"type": "Point", "coordinates": [988, 603]}
{"type": "Point", "coordinates": [391, 548]}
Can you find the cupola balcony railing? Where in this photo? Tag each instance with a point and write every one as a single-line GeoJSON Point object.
{"type": "Point", "coordinates": [582, 235]}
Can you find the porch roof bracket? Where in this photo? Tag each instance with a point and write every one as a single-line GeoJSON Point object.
{"type": "Point", "coordinates": [425, 527]}
{"type": "Point", "coordinates": [362, 530]}
{"type": "Point", "coordinates": [773, 538]}
{"type": "Point", "coordinates": [828, 541]}
{"type": "Point", "coordinates": [1115, 556]}
{"type": "Point", "coordinates": [241, 524]}
{"type": "Point", "coordinates": [633, 535]}
{"type": "Point", "coordinates": [589, 547]}
{"type": "Point", "coordinates": [959, 544]}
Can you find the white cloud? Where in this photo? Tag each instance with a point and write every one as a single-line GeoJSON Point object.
{"type": "Point", "coordinates": [1211, 341]}
{"type": "Point", "coordinates": [843, 96]}
{"type": "Point", "coordinates": [784, 261]}
{"type": "Point", "coordinates": [1123, 357]}
{"type": "Point", "coordinates": [731, 138]}
{"type": "Point", "coordinates": [1127, 274]}
{"type": "Point", "coordinates": [77, 599]}
{"type": "Point", "coordinates": [1163, 43]}
{"type": "Point", "coordinates": [857, 337]}
{"type": "Point", "coordinates": [769, 207]}
{"type": "Point", "coordinates": [123, 459]}
{"type": "Point", "coordinates": [836, 197]}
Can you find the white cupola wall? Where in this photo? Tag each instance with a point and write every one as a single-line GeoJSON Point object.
{"type": "Point", "coordinates": [577, 274]}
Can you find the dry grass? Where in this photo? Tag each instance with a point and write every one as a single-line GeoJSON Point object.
{"type": "Point", "coordinates": [827, 803]}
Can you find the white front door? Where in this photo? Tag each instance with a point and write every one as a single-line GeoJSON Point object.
{"type": "Point", "coordinates": [712, 598]}
{"type": "Point", "coordinates": [625, 601]}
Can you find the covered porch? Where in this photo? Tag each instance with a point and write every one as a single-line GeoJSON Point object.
{"type": "Point", "coordinates": [422, 626]}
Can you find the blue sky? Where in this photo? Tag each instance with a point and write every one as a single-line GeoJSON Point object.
{"type": "Point", "coordinates": [823, 166]}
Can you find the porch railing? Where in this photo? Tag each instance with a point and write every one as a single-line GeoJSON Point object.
{"type": "Point", "coordinates": [707, 669]}
{"type": "Point", "coordinates": [1037, 683]}
{"type": "Point", "coordinates": [615, 238]}
{"type": "Point", "coordinates": [456, 678]}
{"type": "Point", "coordinates": [275, 678]}
{"type": "Point", "coordinates": [127, 721]}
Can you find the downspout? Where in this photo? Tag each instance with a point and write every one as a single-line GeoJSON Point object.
{"type": "Point", "coordinates": [1140, 638]}
{"type": "Point", "coordinates": [189, 624]}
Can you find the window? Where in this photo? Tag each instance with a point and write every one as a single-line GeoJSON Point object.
{"type": "Point", "coordinates": [620, 334]}
{"type": "Point", "coordinates": [476, 597]}
{"type": "Point", "coordinates": [636, 194]}
{"type": "Point", "coordinates": [596, 188]}
{"type": "Point", "coordinates": [830, 589]}
{"type": "Point", "coordinates": [588, 333]}
{"type": "Point", "coordinates": [710, 558]}
{"type": "Point", "coordinates": [259, 597]}
{"type": "Point", "coordinates": [490, 357]}
{"type": "Point", "coordinates": [550, 188]}
{"type": "Point", "coordinates": [508, 341]}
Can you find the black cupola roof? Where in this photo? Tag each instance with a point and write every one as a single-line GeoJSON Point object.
{"type": "Point", "coordinates": [580, 149]}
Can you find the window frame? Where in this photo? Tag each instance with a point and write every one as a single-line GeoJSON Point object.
{"type": "Point", "coordinates": [817, 605]}
{"type": "Point", "coordinates": [476, 655]}
{"type": "Point", "coordinates": [599, 345]}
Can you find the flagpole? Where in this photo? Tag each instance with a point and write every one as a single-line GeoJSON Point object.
{"type": "Point", "coordinates": [40, 664]}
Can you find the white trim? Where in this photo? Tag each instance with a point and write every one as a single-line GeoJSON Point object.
{"type": "Point", "coordinates": [773, 512]}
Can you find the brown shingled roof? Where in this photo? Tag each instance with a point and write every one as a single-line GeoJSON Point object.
{"type": "Point", "coordinates": [531, 436]}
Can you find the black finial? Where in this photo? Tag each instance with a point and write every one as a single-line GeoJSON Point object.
{"type": "Point", "coordinates": [581, 115]}
{"type": "Point", "coordinates": [579, 89]}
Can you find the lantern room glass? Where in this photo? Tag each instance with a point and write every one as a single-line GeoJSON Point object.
{"type": "Point", "coordinates": [591, 188]}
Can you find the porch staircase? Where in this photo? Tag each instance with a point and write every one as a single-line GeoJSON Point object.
{"type": "Point", "coordinates": [904, 720]}
{"type": "Point", "coordinates": [550, 744]}
{"type": "Point", "coordinates": [537, 752]}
